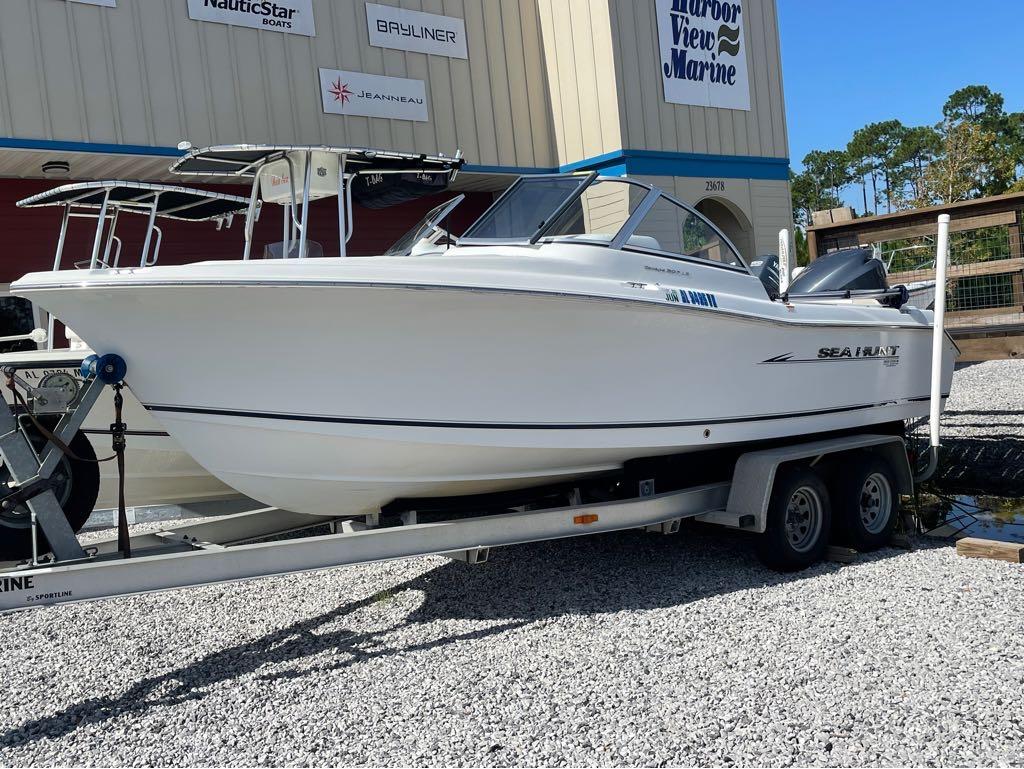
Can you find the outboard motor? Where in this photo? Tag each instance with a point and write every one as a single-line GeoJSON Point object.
{"type": "Point", "coordinates": [767, 269]}
{"type": "Point", "coordinates": [851, 269]}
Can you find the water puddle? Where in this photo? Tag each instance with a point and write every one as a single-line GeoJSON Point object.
{"type": "Point", "coordinates": [988, 517]}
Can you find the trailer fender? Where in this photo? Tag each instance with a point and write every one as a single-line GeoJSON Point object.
{"type": "Point", "coordinates": [754, 476]}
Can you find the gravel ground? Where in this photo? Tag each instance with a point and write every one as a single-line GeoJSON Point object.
{"type": "Point", "coordinates": [611, 650]}
{"type": "Point", "coordinates": [983, 430]}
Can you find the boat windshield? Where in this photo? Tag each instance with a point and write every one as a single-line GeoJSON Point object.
{"type": "Point", "coordinates": [430, 229]}
{"type": "Point", "coordinates": [527, 207]}
{"type": "Point", "coordinates": [615, 211]}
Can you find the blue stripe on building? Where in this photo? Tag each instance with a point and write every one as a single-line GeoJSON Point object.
{"type": "Point", "coordinates": [618, 163]}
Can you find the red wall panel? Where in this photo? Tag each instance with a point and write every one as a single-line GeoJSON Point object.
{"type": "Point", "coordinates": [28, 236]}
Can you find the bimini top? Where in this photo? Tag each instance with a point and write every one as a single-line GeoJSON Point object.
{"type": "Point", "coordinates": [246, 159]}
{"type": "Point", "coordinates": [170, 202]}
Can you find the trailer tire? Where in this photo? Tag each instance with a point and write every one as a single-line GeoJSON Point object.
{"type": "Point", "coordinates": [77, 497]}
{"type": "Point", "coordinates": [798, 522]}
{"type": "Point", "coordinates": [866, 503]}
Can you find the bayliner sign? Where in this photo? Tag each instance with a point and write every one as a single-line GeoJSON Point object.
{"type": "Point", "coordinates": [357, 93]}
{"type": "Point", "coordinates": [391, 27]}
{"type": "Point", "coordinates": [703, 53]}
{"type": "Point", "coordinates": [294, 16]}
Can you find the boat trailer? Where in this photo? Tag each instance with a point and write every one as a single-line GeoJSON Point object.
{"type": "Point", "coordinates": [242, 546]}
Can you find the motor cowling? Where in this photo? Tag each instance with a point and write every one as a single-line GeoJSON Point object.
{"type": "Point", "coordinates": [850, 269]}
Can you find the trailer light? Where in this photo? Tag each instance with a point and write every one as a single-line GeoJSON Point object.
{"type": "Point", "coordinates": [584, 519]}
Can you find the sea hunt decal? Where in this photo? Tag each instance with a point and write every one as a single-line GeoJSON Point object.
{"type": "Point", "coordinates": [688, 296]}
{"type": "Point", "coordinates": [859, 352]}
{"type": "Point", "coordinates": [887, 355]}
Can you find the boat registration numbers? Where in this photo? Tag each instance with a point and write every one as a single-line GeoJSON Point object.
{"type": "Point", "coordinates": [691, 297]}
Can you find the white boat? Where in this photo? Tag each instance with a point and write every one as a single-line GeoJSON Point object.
{"type": "Point", "coordinates": [158, 471]}
{"type": "Point", "coordinates": [580, 323]}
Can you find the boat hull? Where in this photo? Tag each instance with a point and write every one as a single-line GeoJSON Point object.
{"type": "Point", "coordinates": [337, 398]}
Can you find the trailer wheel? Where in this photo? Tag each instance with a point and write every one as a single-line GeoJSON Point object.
{"type": "Point", "coordinates": [799, 521]}
{"type": "Point", "coordinates": [866, 503]}
{"type": "Point", "coordinates": [77, 486]}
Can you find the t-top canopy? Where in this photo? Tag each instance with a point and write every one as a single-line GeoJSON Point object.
{"type": "Point", "coordinates": [171, 202]}
{"type": "Point", "coordinates": [245, 159]}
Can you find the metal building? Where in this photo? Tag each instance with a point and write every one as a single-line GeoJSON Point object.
{"type": "Point", "coordinates": [686, 94]}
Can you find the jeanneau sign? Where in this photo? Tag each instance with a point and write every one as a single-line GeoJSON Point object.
{"type": "Point", "coordinates": [703, 52]}
{"type": "Point", "coordinates": [357, 93]}
{"type": "Point", "coordinates": [294, 16]}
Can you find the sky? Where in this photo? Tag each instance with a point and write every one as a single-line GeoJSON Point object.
{"type": "Point", "coordinates": [847, 63]}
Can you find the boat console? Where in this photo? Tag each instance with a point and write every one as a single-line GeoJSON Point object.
{"type": "Point", "coordinates": [294, 176]}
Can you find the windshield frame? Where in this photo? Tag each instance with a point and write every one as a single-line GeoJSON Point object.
{"type": "Point", "coordinates": [431, 224]}
{"type": "Point", "coordinates": [571, 198]}
{"type": "Point", "coordinates": [621, 238]}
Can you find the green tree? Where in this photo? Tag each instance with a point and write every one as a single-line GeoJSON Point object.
{"type": "Point", "coordinates": [919, 147]}
{"type": "Point", "coordinates": [980, 106]}
{"type": "Point", "coordinates": [803, 257]}
{"type": "Point", "coordinates": [975, 104]}
{"type": "Point", "coordinates": [873, 151]}
{"type": "Point", "coordinates": [809, 196]}
{"type": "Point", "coordinates": [830, 170]}
{"type": "Point", "coordinates": [959, 172]}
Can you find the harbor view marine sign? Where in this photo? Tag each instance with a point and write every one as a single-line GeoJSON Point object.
{"type": "Point", "coordinates": [391, 27]}
{"type": "Point", "coordinates": [703, 53]}
{"type": "Point", "coordinates": [295, 16]}
{"type": "Point", "coordinates": [357, 93]}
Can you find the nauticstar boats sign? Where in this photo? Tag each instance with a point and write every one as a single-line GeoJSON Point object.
{"type": "Point", "coordinates": [294, 16]}
{"type": "Point", "coordinates": [357, 93]}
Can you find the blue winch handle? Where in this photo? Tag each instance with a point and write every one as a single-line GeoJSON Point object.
{"type": "Point", "coordinates": [109, 369]}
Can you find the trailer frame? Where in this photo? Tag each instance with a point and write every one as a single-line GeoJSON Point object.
{"type": "Point", "coordinates": [242, 546]}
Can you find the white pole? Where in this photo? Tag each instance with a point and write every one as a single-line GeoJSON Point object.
{"type": "Point", "coordinates": [62, 237]}
{"type": "Point", "coordinates": [149, 230]}
{"type": "Point", "coordinates": [100, 221]}
{"type": "Point", "coordinates": [785, 270]}
{"type": "Point", "coordinates": [110, 237]}
{"type": "Point", "coordinates": [286, 242]}
{"type": "Point", "coordinates": [56, 266]}
{"type": "Point", "coordinates": [307, 177]}
{"type": "Point", "coordinates": [342, 229]}
{"type": "Point", "coordinates": [938, 328]}
{"type": "Point", "coordinates": [250, 215]}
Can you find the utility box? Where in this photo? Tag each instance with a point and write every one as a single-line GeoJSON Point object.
{"type": "Point", "coordinates": [832, 216]}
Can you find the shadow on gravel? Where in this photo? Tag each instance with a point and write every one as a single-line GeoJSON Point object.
{"type": "Point", "coordinates": [628, 571]}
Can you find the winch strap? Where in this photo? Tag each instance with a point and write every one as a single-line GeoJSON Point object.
{"type": "Point", "coordinates": [124, 541]}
